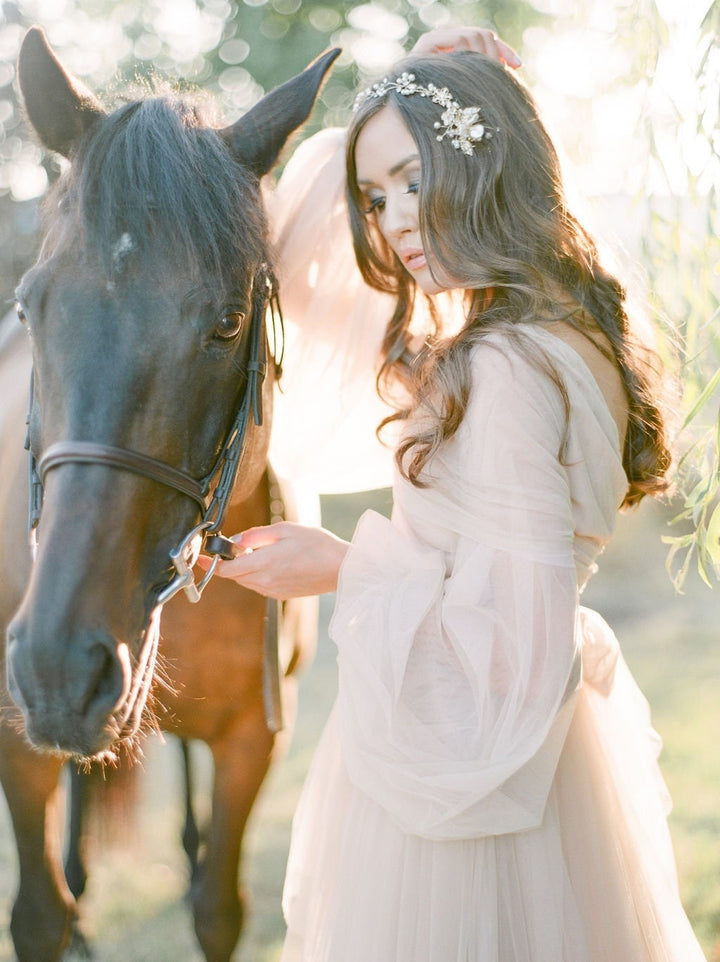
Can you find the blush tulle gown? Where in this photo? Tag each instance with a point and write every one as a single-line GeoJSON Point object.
{"type": "Point", "coordinates": [486, 788]}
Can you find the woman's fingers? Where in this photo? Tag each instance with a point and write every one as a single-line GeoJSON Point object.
{"type": "Point", "coordinates": [260, 537]}
{"type": "Point", "coordinates": [284, 560]}
{"type": "Point", "coordinates": [496, 48]}
{"type": "Point", "coordinates": [478, 39]}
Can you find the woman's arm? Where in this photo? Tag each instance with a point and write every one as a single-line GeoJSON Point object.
{"type": "Point", "coordinates": [458, 671]}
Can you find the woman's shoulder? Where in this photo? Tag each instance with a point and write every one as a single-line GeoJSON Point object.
{"type": "Point", "coordinates": [588, 359]}
{"type": "Point", "coordinates": [513, 359]}
{"type": "Point", "coordinates": [512, 382]}
{"type": "Point", "coordinates": [596, 355]}
{"type": "Point", "coordinates": [550, 366]}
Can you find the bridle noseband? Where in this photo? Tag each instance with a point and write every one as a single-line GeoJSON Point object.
{"type": "Point", "coordinates": [206, 535]}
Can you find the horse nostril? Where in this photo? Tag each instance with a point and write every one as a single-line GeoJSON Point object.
{"type": "Point", "coordinates": [22, 695]}
{"type": "Point", "coordinates": [98, 676]}
{"type": "Point", "coordinates": [97, 679]}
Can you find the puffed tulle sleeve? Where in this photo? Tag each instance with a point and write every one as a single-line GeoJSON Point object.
{"type": "Point", "coordinates": [456, 623]}
{"type": "Point", "coordinates": [327, 408]}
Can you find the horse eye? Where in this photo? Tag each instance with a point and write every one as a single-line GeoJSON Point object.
{"type": "Point", "coordinates": [230, 326]}
{"type": "Point", "coordinates": [20, 313]}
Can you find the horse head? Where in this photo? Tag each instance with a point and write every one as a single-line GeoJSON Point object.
{"type": "Point", "coordinates": [140, 310]}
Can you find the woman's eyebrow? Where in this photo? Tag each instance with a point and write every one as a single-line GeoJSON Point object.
{"type": "Point", "coordinates": [396, 168]}
{"type": "Point", "coordinates": [403, 163]}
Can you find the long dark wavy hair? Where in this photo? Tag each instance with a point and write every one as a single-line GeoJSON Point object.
{"type": "Point", "coordinates": [498, 222]}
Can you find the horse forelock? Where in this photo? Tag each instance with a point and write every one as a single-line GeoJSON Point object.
{"type": "Point", "coordinates": [152, 183]}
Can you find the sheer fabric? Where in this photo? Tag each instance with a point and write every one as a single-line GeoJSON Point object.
{"type": "Point", "coordinates": [327, 410]}
{"type": "Point", "coordinates": [486, 788]}
{"type": "Point", "coordinates": [461, 623]}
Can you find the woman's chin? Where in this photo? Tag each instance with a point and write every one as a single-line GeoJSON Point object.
{"type": "Point", "coordinates": [428, 283]}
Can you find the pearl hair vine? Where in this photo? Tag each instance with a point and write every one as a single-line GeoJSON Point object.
{"type": "Point", "coordinates": [463, 125]}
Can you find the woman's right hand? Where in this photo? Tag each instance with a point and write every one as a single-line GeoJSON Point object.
{"type": "Point", "coordinates": [284, 560]}
{"type": "Point", "coordinates": [479, 39]}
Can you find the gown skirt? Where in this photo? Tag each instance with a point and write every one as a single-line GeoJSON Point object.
{"type": "Point", "coordinates": [487, 786]}
{"type": "Point", "coordinates": [595, 882]}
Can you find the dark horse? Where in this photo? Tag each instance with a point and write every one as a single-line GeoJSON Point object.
{"type": "Point", "coordinates": [143, 310]}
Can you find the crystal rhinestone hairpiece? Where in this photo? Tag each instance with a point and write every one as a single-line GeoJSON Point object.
{"type": "Point", "coordinates": [461, 124]}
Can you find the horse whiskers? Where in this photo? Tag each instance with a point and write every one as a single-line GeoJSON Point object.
{"type": "Point", "coordinates": [125, 746]}
{"type": "Point", "coordinates": [126, 749]}
{"type": "Point", "coordinates": [150, 723]}
{"type": "Point", "coordinates": [163, 675]}
{"type": "Point", "coordinates": [13, 719]}
{"type": "Point", "coordinates": [10, 716]}
{"type": "Point", "coordinates": [106, 759]}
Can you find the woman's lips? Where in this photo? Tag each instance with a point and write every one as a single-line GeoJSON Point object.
{"type": "Point", "coordinates": [413, 260]}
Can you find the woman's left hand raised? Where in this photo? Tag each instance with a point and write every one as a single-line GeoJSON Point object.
{"type": "Point", "coordinates": [284, 560]}
{"type": "Point", "coordinates": [479, 39]}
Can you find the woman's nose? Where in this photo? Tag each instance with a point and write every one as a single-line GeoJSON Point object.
{"type": "Point", "coordinates": [400, 215]}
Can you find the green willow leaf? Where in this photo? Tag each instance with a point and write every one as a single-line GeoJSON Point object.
{"type": "Point", "coordinates": [703, 399]}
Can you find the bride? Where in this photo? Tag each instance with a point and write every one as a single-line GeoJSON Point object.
{"type": "Point", "coordinates": [486, 788]}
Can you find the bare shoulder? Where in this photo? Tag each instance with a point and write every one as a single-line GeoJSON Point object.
{"type": "Point", "coordinates": [594, 349]}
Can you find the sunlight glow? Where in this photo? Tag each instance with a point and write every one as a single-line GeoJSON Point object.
{"type": "Point", "coordinates": [25, 181]}
{"type": "Point", "coordinates": [187, 29]}
{"type": "Point", "coordinates": [374, 37]}
{"type": "Point", "coordinates": [581, 74]}
{"type": "Point", "coordinates": [377, 21]}
{"type": "Point", "coordinates": [582, 68]}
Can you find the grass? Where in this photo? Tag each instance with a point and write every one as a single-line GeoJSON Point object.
{"type": "Point", "coordinates": [134, 909]}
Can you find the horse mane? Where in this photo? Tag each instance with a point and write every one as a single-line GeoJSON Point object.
{"type": "Point", "coordinates": [150, 180]}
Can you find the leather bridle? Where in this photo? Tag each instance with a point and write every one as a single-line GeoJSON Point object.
{"type": "Point", "coordinates": [213, 504]}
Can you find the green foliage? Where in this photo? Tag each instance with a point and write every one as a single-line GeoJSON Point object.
{"type": "Point", "coordinates": [683, 257]}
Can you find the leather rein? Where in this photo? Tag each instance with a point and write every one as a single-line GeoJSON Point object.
{"type": "Point", "coordinates": [213, 505]}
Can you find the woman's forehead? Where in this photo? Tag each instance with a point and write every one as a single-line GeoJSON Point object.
{"type": "Point", "coordinates": [384, 145]}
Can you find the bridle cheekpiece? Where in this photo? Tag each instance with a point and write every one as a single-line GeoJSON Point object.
{"type": "Point", "coordinates": [212, 501]}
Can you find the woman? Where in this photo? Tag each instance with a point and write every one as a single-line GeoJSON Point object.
{"type": "Point", "coordinates": [486, 789]}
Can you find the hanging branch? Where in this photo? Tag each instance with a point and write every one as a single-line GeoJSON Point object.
{"type": "Point", "coordinates": [682, 253]}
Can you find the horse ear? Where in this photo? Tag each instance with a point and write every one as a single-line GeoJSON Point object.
{"type": "Point", "coordinates": [58, 105]}
{"type": "Point", "coordinates": [258, 137]}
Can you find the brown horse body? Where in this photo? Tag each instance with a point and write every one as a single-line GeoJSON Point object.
{"type": "Point", "coordinates": [138, 343]}
{"type": "Point", "coordinates": [214, 656]}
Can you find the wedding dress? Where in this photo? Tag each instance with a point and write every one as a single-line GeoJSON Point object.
{"type": "Point", "coordinates": [486, 788]}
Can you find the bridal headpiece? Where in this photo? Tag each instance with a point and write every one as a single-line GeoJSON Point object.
{"type": "Point", "coordinates": [463, 125]}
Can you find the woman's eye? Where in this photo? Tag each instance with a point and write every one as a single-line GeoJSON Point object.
{"type": "Point", "coordinates": [414, 187]}
{"type": "Point", "coordinates": [374, 204]}
{"type": "Point", "coordinates": [230, 326]}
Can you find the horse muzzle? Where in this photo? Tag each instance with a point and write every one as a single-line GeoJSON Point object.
{"type": "Point", "coordinates": [86, 701]}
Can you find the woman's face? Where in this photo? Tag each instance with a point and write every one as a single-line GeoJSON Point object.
{"type": "Point", "coordinates": [388, 174]}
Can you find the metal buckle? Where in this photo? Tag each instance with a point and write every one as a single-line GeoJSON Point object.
{"type": "Point", "coordinates": [183, 558]}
